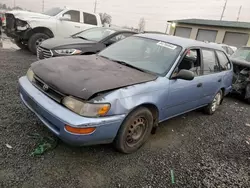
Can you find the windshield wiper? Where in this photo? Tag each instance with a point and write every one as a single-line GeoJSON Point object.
{"type": "Point", "coordinates": [124, 63]}
{"type": "Point", "coordinates": [129, 65]}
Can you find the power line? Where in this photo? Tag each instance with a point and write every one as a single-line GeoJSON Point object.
{"type": "Point", "coordinates": [224, 8]}
{"type": "Point", "coordinates": [239, 13]}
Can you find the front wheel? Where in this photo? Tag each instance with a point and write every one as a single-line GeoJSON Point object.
{"type": "Point", "coordinates": [214, 105]}
{"type": "Point", "coordinates": [35, 40]}
{"type": "Point", "coordinates": [134, 131]}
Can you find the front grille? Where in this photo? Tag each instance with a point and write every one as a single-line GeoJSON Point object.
{"type": "Point", "coordinates": [43, 53]}
{"type": "Point", "coordinates": [49, 91]}
{"type": "Point", "coordinates": [10, 22]}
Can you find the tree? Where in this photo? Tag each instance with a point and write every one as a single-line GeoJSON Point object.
{"type": "Point", "coordinates": [105, 18]}
{"type": "Point", "coordinates": [141, 25]}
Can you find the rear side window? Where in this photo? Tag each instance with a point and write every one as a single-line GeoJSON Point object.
{"type": "Point", "coordinates": [223, 60]}
{"type": "Point", "coordinates": [209, 62]}
{"type": "Point", "coordinates": [225, 48]}
{"type": "Point", "coordinates": [75, 15]}
{"type": "Point", "coordinates": [230, 51]}
{"type": "Point", "coordinates": [89, 19]}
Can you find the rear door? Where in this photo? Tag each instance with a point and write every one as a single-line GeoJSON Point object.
{"type": "Point", "coordinates": [226, 70]}
{"type": "Point", "coordinates": [89, 20]}
{"type": "Point", "coordinates": [212, 77]}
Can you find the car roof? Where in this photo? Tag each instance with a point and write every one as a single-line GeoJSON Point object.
{"type": "Point", "coordinates": [183, 42]}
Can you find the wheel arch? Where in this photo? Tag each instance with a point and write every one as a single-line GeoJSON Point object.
{"type": "Point", "coordinates": [44, 30]}
{"type": "Point", "coordinates": [152, 108]}
{"type": "Point", "coordinates": [223, 94]}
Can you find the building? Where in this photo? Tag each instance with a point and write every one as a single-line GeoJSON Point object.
{"type": "Point", "coordinates": [228, 32]}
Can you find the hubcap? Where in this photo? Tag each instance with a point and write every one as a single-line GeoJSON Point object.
{"type": "Point", "coordinates": [39, 41]}
{"type": "Point", "coordinates": [136, 131]}
{"type": "Point", "coordinates": [216, 102]}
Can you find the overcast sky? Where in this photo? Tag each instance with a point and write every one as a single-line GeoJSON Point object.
{"type": "Point", "coordinates": [155, 12]}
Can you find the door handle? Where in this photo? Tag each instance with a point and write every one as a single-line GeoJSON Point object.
{"type": "Point", "coordinates": [199, 84]}
{"type": "Point", "coordinates": [219, 80]}
{"type": "Point", "coordinates": [77, 26]}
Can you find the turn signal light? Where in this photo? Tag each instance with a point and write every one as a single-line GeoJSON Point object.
{"type": "Point", "coordinates": [87, 130]}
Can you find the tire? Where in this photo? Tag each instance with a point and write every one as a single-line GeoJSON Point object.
{"type": "Point", "coordinates": [35, 41]}
{"type": "Point", "coordinates": [21, 44]}
{"type": "Point", "coordinates": [214, 105]}
{"type": "Point", "coordinates": [134, 131]}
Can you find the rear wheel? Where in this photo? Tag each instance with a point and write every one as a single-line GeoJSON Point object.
{"type": "Point", "coordinates": [21, 44]}
{"type": "Point", "coordinates": [214, 105]}
{"type": "Point", "coordinates": [134, 131]}
{"type": "Point", "coordinates": [35, 40]}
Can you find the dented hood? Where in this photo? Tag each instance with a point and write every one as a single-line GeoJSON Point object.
{"type": "Point", "coordinates": [27, 15]}
{"type": "Point", "coordinates": [240, 62]}
{"type": "Point", "coordinates": [84, 76]}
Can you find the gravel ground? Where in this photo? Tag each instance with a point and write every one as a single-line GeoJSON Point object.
{"type": "Point", "coordinates": [202, 151]}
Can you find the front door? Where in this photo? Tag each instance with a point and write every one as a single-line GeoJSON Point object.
{"type": "Point", "coordinates": [65, 28]}
{"type": "Point", "coordinates": [185, 95]}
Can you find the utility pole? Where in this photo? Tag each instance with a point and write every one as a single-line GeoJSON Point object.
{"type": "Point", "coordinates": [224, 8]}
{"type": "Point", "coordinates": [14, 3]}
{"type": "Point", "coordinates": [239, 13]}
{"type": "Point", "coordinates": [43, 7]}
{"type": "Point", "coordinates": [95, 6]}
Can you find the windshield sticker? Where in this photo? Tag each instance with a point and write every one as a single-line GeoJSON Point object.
{"type": "Point", "coordinates": [167, 45]}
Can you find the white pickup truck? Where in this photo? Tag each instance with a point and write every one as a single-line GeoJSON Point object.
{"type": "Point", "coordinates": [29, 29]}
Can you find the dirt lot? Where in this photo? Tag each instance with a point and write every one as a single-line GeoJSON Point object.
{"type": "Point", "coordinates": [202, 151]}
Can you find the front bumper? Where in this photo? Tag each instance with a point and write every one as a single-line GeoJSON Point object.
{"type": "Point", "coordinates": [55, 117]}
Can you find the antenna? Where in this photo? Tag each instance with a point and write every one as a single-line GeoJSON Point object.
{"type": "Point", "coordinates": [224, 8]}
{"type": "Point", "coordinates": [239, 13]}
{"type": "Point", "coordinates": [95, 6]}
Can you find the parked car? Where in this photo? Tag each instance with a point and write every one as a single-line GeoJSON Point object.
{"type": "Point", "coordinates": [120, 94]}
{"type": "Point", "coordinates": [228, 49]}
{"type": "Point", "coordinates": [241, 64]}
{"type": "Point", "coordinates": [89, 41]}
{"type": "Point", "coordinates": [29, 29]}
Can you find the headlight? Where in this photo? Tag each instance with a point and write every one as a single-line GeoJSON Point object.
{"type": "Point", "coordinates": [86, 109]}
{"type": "Point", "coordinates": [68, 51]}
{"type": "Point", "coordinates": [21, 23]}
{"type": "Point", "coordinates": [30, 75]}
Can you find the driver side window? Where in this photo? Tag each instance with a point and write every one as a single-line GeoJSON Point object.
{"type": "Point", "coordinates": [191, 62]}
{"type": "Point", "coordinates": [74, 15]}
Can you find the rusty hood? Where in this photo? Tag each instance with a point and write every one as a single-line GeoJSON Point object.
{"type": "Point", "coordinates": [84, 76]}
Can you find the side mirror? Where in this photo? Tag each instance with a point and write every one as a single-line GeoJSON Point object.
{"type": "Point", "coordinates": [65, 17]}
{"type": "Point", "coordinates": [184, 75]}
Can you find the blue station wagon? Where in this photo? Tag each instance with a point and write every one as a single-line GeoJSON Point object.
{"type": "Point", "coordinates": [121, 94]}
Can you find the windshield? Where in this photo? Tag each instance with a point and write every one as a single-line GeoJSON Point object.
{"type": "Point", "coordinates": [242, 54]}
{"type": "Point", "coordinates": [95, 34]}
{"type": "Point", "coordinates": [53, 11]}
{"type": "Point", "coordinates": [146, 54]}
